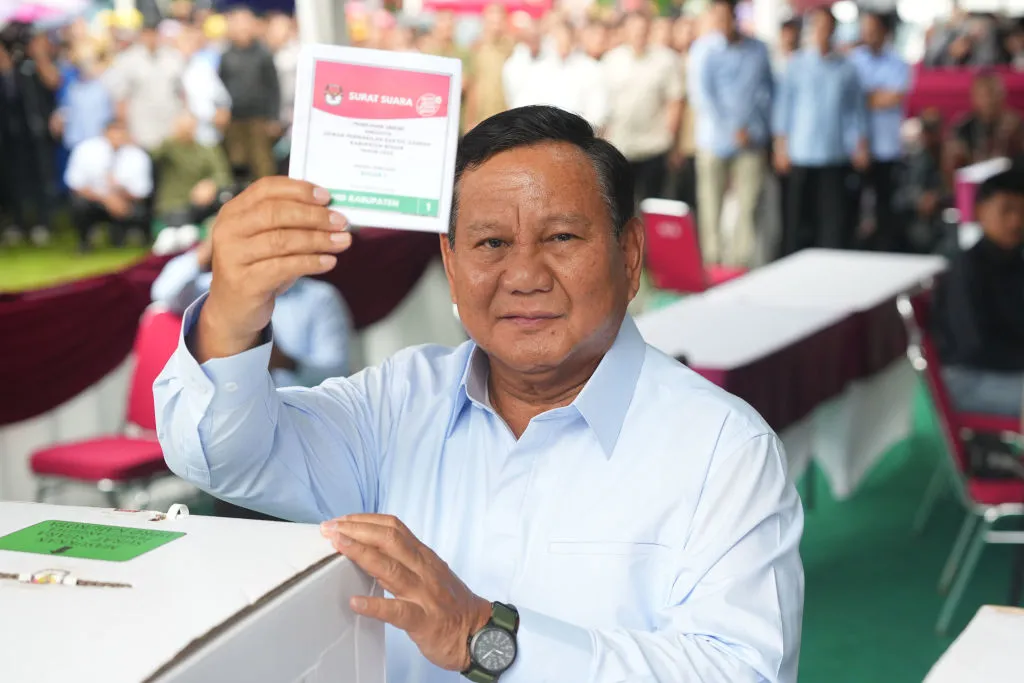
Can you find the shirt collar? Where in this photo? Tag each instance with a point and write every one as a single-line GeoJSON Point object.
{"type": "Point", "coordinates": [602, 403]}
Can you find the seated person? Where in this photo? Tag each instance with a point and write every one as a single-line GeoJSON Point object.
{"type": "Point", "coordinates": [110, 179]}
{"type": "Point", "coordinates": [979, 308]}
{"type": "Point", "coordinates": [992, 129]}
{"type": "Point", "coordinates": [924, 194]}
{"type": "Point", "coordinates": [195, 179]}
{"type": "Point", "coordinates": [312, 326]}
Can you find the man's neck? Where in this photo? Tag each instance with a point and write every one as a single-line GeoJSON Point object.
{"type": "Point", "coordinates": [733, 38]}
{"type": "Point", "coordinates": [517, 400]}
{"type": "Point", "coordinates": [876, 50]}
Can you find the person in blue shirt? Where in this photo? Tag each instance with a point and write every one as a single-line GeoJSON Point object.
{"type": "Point", "coordinates": [733, 136]}
{"type": "Point", "coordinates": [885, 79]}
{"type": "Point", "coordinates": [86, 105]}
{"type": "Point", "coordinates": [821, 137]}
{"type": "Point", "coordinates": [553, 501]}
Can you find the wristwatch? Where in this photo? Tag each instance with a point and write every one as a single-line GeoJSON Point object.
{"type": "Point", "coordinates": [492, 649]}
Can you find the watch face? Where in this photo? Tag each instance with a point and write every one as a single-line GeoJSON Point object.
{"type": "Point", "coordinates": [494, 649]}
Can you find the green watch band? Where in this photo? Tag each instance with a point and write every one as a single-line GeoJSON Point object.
{"type": "Point", "coordinates": [504, 617]}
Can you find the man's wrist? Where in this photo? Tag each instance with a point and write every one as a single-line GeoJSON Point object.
{"type": "Point", "coordinates": [209, 339]}
{"type": "Point", "coordinates": [479, 618]}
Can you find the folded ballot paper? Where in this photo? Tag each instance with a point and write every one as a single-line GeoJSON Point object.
{"type": "Point", "coordinates": [988, 651]}
{"type": "Point", "coordinates": [90, 595]}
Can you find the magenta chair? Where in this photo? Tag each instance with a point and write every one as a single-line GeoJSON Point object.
{"type": "Point", "coordinates": [132, 458]}
{"type": "Point", "coordinates": [673, 257]}
{"type": "Point", "coordinates": [986, 501]}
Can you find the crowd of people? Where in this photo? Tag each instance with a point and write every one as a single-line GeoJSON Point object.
{"type": "Point", "coordinates": [161, 124]}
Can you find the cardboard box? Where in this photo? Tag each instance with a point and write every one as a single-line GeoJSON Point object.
{"type": "Point", "coordinates": [988, 651]}
{"type": "Point", "coordinates": [90, 595]}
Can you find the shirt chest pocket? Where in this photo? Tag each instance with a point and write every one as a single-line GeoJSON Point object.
{"type": "Point", "coordinates": [603, 584]}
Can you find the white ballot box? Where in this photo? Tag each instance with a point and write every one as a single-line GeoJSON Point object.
{"type": "Point", "coordinates": [988, 651]}
{"type": "Point", "coordinates": [90, 595]}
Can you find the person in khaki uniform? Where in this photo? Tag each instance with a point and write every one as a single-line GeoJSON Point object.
{"type": "Point", "coordinates": [485, 95]}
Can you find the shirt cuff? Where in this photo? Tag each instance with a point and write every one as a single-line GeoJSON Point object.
{"type": "Point", "coordinates": [223, 383]}
{"type": "Point", "coordinates": [551, 650]}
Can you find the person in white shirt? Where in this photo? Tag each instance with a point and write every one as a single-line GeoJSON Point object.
{"type": "Point", "coordinates": [566, 79]}
{"type": "Point", "coordinates": [205, 95]}
{"type": "Point", "coordinates": [647, 104]}
{"type": "Point", "coordinates": [110, 179]}
{"type": "Point", "coordinates": [516, 73]}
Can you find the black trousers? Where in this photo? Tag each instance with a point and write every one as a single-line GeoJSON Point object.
{"type": "Point", "coordinates": [650, 175]}
{"type": "Point", "coordinates": [819, 208]}
{"type": "Point", "coordinates": [683, 183]}
{"type": "Point", "coordinates": [883, 177]}
{"type": "Point", "coordinates": [191, 214]}
{"type": "Point", "coordinates": [85, 214]}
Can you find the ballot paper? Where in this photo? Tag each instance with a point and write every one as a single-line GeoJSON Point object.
{"type": "Point", "coordinates": [379, 131]}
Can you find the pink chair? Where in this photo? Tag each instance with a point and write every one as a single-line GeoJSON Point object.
{"type": "Point", "coordinates": [132, 458]}
{"type": "Point", "coordinates": [986, 501]}
{"type": "Point", "coordinates": [674, 261]}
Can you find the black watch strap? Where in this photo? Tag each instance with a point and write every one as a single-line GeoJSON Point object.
{"type": "Point", "coordinates": [504, 617]}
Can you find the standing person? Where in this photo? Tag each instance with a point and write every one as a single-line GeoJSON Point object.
{"type": "Point", "coordinates": [248, 72]}
{"type": "Point", "coordinates": [683, 158]}
{"type": "Point", "coordinates": [733, 136]}
{"type": "Point", "coordinates": [788, 45]}
{"type": "Point", "coordinates": [110, 179]}
{"type": "Point", "coordinates": [820, 127]}
{"type": "Point", "coordinates": [206, 98]}
{"type": "Point", "coordinates": [885, 79]}
{"type": "Point", "coordinates": [283, 42]}
{"type": "Point", "coordinates": [646, 104]}
{"type": "Point", "coordinates": [566, 79]}
{"type": "Point", "coordinates": [87, 106]}
{"type": "Point", "coordinates": [485, 92]}
{"type": "Point", "coordinates": [145, 81]}
{"type": "Point", "coordinates": [594, 39]}
{"type": "Point", "coordinates": [517, 75]}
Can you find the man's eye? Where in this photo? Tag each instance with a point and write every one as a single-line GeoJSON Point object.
{"type": "Point", "coordinates": [491, 243]}
{"type": "Point", "coordinates": [563, 237]}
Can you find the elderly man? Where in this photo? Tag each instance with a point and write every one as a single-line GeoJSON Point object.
{"type": "Point", "coordinates": [552, 501]}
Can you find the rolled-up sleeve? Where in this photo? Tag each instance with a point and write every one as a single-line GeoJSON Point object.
{"type": "Point", "coordinates": [301, 454]}
{"type": "Point", "coordinates": [735, 606]}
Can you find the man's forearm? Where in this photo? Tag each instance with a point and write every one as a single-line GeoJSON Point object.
{"type": "Point", "coordinates": [674, 118]}
{"type": "Point", "coordinates": [885, 99]}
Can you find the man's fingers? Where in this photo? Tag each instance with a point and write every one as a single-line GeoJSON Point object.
{"type": "Point", "coordinates": [284, 213]}
{"type": "Point", "coordinates": [280, 187]}
{"type": "Point", "coordinates": [396, 578]}
{"type": "Point", "coordinates": [291, 242]}
{"type": "Point", "coordinates": [402, 614]}
{"type": "Point", "coordinates": [276, 272]}
{"type": "Point", "coordinates": [392, 539]}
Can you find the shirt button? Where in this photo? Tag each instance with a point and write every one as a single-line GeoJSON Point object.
{"type": "Point", "coordinates": [230, 387]}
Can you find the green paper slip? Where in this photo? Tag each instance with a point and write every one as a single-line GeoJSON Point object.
{"type": "Point", "coordinates": [86, 541]}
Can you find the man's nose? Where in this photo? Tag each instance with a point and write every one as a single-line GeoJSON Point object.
{"type": "Point", "coordinates": [526, 270]}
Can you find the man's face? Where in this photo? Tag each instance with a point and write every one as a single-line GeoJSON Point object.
{"type": "Point", "coordinates": [279, 32]}
{"type": "Point", "coordinates": [872, 31]}
{"type": "Point", "coordinates": [494, 20]}
{"type": "Point", "coordinates": [822, 26]}
{"type": "Point", "coordinates": [563, 38]}
{"type": "Point", "coordinates": [661, 32]}
{"type": "Point", "coordinates": [636, 30]}
{"type": "Point", "coordinates": [444, 27]}
{"type": "Point", "coordinates": [537, 273]}
{"type": "Point", "coordinates": [117, 135]}
{"type": "Point", "coordinates": [241, 27]}
{"type": "Point", "coordinates": [986, 97]}
{"type": "Point", "coordinates": [595, 40]}
{"type": "Point", "coordinates": [722, 18]}
{"type": "Point", "coordinates": [682, 34]}
{"type": "Point", "coordinates": [149, 38]}
{"type": "Point", "coordinates": [1002, 219]}
{"type": "Point", "coordinates": [789, 38]}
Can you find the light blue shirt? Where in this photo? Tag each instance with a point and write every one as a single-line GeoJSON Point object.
{"type": "Point", "coordinates": [820, 109]}
{"type": "Point", "coordinates": [646, 532]}
{"type": "Point", "coordinates": [884, 71]}
{"type": "Point", "coordinates": [87, 109]}
{"type": "Point", "coordinates": [699, 51]}
{"type": "Point", "coordinates": [311, 322]}
{"type": "Point", "coordinates": [735, 88]}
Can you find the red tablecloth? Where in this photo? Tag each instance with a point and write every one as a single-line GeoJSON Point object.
{"type": "Point", "coordinates": [56, 342]}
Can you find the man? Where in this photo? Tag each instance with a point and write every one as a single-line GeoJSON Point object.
{"type": "Point", "coordinates": [990, 131]}
{"type": "Point", "coordinates": [733, 136]}
{"type": "Point", "coordinates": [683, 158]}
{"type": "Point", "coordinates": [820, 130]}
{"type": "Point", "coordinates": [637, 517]}
{"type": "Point", "coordinates": [206, 98]}
{"type": "Point", "coordinates": [980, 306]}
{"type": "Point", "coordinates": [146, 84]}
{"type": "Point", "coordinates": [485, 92]}
{"type": "Point", "coordinates": [646, 104]}
{"type": "Point", "coordinates": [248, 72]}
{"type": "Point", "coordinates": [885, 79]}
{"type": "Point", "coordinates": [924, 192]}
{"type": "Point", "coordinates": [110, 179]}
{"type": "Point", "coordinates": [787, 46]}
{"type": "Point", "coordinates": [566, 79]}
{"type": "Point", "coordinates": [87, 106]}
{"type": "Point", "coordinates": [192, 177]}
{"type": "Point", "coordinates": [594, 39]}
{"type": "Point", "coordinates": [517, 74]}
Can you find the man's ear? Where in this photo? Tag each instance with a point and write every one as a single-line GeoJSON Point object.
{"type": "Point", "coordinates": [447, 254]}
{"type": "Point", "coordinates": [631, 242]}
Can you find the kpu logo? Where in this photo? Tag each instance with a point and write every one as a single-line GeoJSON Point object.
{"type": "Point", "coordinates": [333, 95]}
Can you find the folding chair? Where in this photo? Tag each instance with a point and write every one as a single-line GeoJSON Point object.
{"type": "Point", "coordinates": [132, 458]}
{"type": "Point", "coordinates": [987, 501]}
{"type": "Point", "coordinates": [674, 261]}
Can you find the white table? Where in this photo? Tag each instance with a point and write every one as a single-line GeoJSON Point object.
{"type": "Point", "coordinates": [730, 337]}
{"type": "Point", "coordinates": [853, 431]}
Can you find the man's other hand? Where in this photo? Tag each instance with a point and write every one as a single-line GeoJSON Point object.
{"type": "Point", "coordinates": [276, 231]}
{"type": "Point", "coordinates": [431, 604]}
